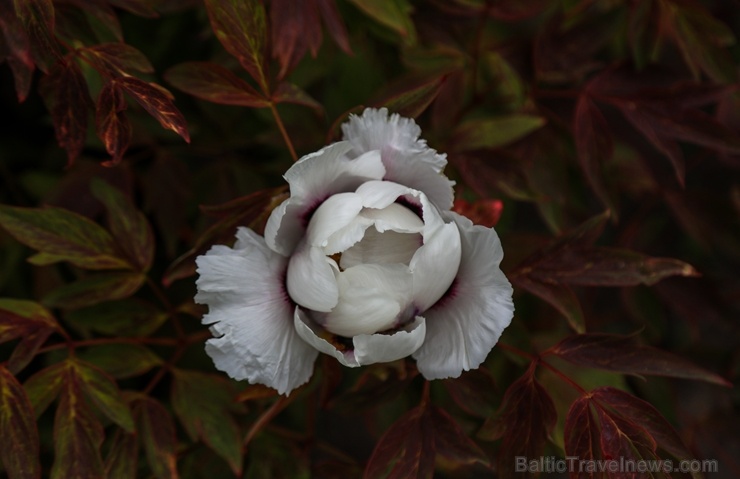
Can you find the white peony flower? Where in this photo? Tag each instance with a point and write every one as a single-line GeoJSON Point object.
{"type": "Point", "coordinates": [364, 262]}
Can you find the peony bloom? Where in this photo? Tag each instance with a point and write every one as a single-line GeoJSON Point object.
{"type": "Point", "coordinates": [364, 262]}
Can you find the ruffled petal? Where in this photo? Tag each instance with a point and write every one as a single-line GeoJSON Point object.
{"type": "Point", "coordinates": [463, 326]}
{"type": "Point", "coordinates": [372, 298]}
{"type": "Point", "coordinates": [313, 179]}
{"type": "Point", "coordinates": [407, 158]}
{"type": "Point", "coordinates": [311, 279]}
{"type": "Point", "coordinates": [250, 314]}
{"type": "Point", "coordinates": [383, 348]}
{"type": "Point", "coordinates": [435, 266]}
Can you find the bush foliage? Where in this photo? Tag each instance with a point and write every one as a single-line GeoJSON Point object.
{"type": "Point", "coordinates": [601, 137]}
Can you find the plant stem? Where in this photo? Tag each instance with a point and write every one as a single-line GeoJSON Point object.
{"type": "Point", "coordinates": [266, 417]}
{"type": "Point", "coordinates": [283, 131]}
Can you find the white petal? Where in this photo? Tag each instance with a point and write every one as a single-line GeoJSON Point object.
{"type": "Point", "coordinates": [383, 348]}
{"type": "Point", "coordinates": [250, 312]}
{"type": "Point", "coordinates": [312, 180]}
{"type": "Point", "coordinates": [311, 279]}
{"type": "Point", "coordinates": [334, 214]}
{"type": "Point", "coordinates": [378, 248]}
{"type": "Point", "coordinates": [435, 266]}
{"type": "Point", "coordinates": [463, 326]}
{"type": "Point", "coordinates": [309, 331]}
{"type": "Point", "coordinates": [407, 159]}
{"type": "Point", "coordinates": [381, 194]}
{"type": "Point", "coordinates": [329, 171]}
{"type": "Point", "coordinates": [372, 298]}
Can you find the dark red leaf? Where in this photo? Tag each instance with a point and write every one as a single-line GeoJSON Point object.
{"type": "Point", "coordinates": [623, 440]}
{"type": "Point", "coordinates": [37, 17]}
{"type": "Point", "coordinates": [61, 235]}
{"type": "Point", "coordinates": [157, 102]}
{"type": "Point", "coordinates": [241, 27]}
{"type": "Point", "coordinates": [19, 441]}
{"type": "Point", "coordinates": [406, 450]}
{"type": "Point", "coordinates": [69, 102]}
{"type": "Point", "coordinates": [643, 413]}
{"type": "Point", "coordinates": [484, 212]}
{"type": "Point", "coordinates": [527, 417]}
{"type": "Point", "coordinates": [15, 45]}
{"type": "Point", "coordinates": [44, 386]}
{"type": "Point", "coordinates": [334, 24]}
{"type": "Point", "coordinates": [129, 226]}
{"type": "Point", "coordinates": [290, 93]}
{"type": "Point", "coordinates": [582, 438]}
{"type": "Point", "coordinates": [560, 296]}
{"type": "Point", "coordinates": [594, 145]}
{"type": "Point", "coordinates": [215, 83]}
{"type": "Point", "coordinates": [119, 58]}
{"type": "Point", "coordinates": [204, 404]}
{"type": "Point", "coordinates": [123, 456]}
{"type": "Point", "coordinates": [157, 429]}
{"type": "Point", "coordinates": [77, 436]}
{"type": "Point", "coordinates": [411, 97]}
{"type": "Point", "coordinates": [111, 123]}
{"type": "Point", "coordinates": [450, 441]}
{"type": "Point", "coordinates": [516, 11]}
{"type": "Point", "coordinates": [26, 320]}
{"type": "Point", "coordinates": [474, 392]}
{"type": "Point", "coordinates": [622, 354]}
{"type": "Point", "coordinates": [296, 28]}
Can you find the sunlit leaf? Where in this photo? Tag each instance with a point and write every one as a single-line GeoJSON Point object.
{"type": "Point", "coordinates": [121, 360]}
{"type": "Point", "coordinates": [19, 439]}
{"type": "Point", "coordinates": [492, 133]}
{"type": "Point", "coordinates": [111, 123]}
{"type": "Point", "coordinates": [215, 83]}
{"type": "Point", "coordinates": [61, 235]}
{"type": "Point", "coordinates": [623, 354]}
{"type": "Point", "coordinates": [204, 404]}
{"type": "Point", "coordinates": [128, 225]}
{"type": "Point", "coordinates": [241, 27]}
{"type": "Point", "coordinates": [157, 102]}
{"type": "Point", "coordinates": [157, 430]}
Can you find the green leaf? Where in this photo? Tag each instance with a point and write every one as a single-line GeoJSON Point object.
{"type": "Point", "coordinates": [410, 100]}
{"type": "Point", "coordinates": [61, 235]}
{"type": "Point", "coordinates": [157, 429]}
{"type": "Point", "coordinates": [44, 386]}
{"type": "Point", "coordinates": [19, 438]}
{"type": "Point", "coordinates": [203, 403]}
{"type": "Point", "coordinates": [77, 437]}
{"type": "Point", "coordinates": [394, 14]}
{"type": "Point", "coordinates": [128, 317]}
{"type": "Point", "coordinates": [128, 225]}
{"type": "Point", "coordinates": [26, 320]}
{"type": "Point", "coordinates": [95, 289]}
{"type": "Point", "coordinates": [104, 393]}
{"type": "Point", "coordinates": [495, 132]}
{"type": "Point", "coordinates": [212, 82]}
{"type": "Point", "coordinates": [241, 27]}
{"type": "Point", "coordinates": [121, 360]}
{"type": "Point", "coordinates": [123, 456]}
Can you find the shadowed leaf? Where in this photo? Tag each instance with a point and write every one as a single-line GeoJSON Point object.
{"type": "Point", "coordinates": [160, 441]}
{"type": "Point", "coordinates": [241, 27]}
{"type": "Point", "coordinates": [527, 417]}
{"type": "Point", "coordinates": [560, 296]}
{"type": "Point", "coordinates": [157, 102]}
{"type": "Point", "coordinates": [474, 392]}
{"type": "Point", "coordinates": [128, 225]}
{"type": "Point", "coordinates": [582, 438]}
{"type": "Point", "coordinates": [77, 437]}
{"type": "Point", "coordinates": [37, 17]}
{"type": "Point", "coordinates": [594, 145]}
{"type": "Point", "coordinates": [66, 93]}
{"type": "Point", "coordinates": [622, 354]}
{"type": "Point", "coordinates": [411, 99]}
{"type": "Point", "coordinates": [215, 83]}
{"type": "Point", "coordinates": [111, 123]}
{"type": "Point", "coordinates": [121, 360]}
{"type": "Point", "coordinates": [204, 404]}
{"type": "Point", "coordinates": [296, 29]}
{"type": "Point", "coordinates": [120, 58]}
{"type": "Point", "coordinates": [19, 439]}
{"type": "Point", "coordinates": [30, 322]}
{"type": "Point", "coordinates": [61, 235]}
{"type": "Point", "coordinates": [290, 93]}
{"type": "Point", "coordinates": [123, 456]}
{"type": "Point", "coordinates": [334, 24]}
{"type": "Point", "coordinates": [103, 392]}
{"type": "Point", "coordinates": [394, 14]}
{"type": "Point", "coordinates": [14, 44]}
{"type": "Point", "coordinates": [142, 8]}
{"type": "Point", "coordinates": [44, 386]}
{"type": "Point", "coordinates": [484, 212]}
{"type": "Point", "coordinates": [405, 450]}
{"type": "Point", "coordinates": [493, 133]}
{"type": "Point", "coordinates": [450, 441]}
{"type": "Point", "coordinates": [95, 289]}
{"type": "Point", "coordinates": [128, 317]}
